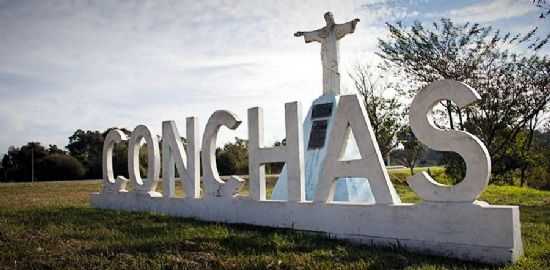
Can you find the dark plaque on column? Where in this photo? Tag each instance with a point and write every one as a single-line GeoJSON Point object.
{"type": "Point", "coordinates": [321, 110]}
{"type": "Point", "coordinates": [318, 134]}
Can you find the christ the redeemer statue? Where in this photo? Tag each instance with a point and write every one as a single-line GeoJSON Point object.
{"type": "Point", "coordinates": [329, 36]}
{"type": "Point", "coordinates": [320, 119]}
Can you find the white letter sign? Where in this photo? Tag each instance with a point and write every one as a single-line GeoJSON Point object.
{"type": "Point", "coordinates": [448, 222]}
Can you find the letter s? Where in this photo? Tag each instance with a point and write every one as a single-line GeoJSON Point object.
{"type": "Point", "coordinates": [469, 147]}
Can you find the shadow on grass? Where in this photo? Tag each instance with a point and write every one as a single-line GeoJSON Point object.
{"type": "Point", "coordinates": [158, 239]}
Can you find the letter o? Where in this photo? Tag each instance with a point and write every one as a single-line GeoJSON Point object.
{"type": "Point", "coordinates": [153, 160]}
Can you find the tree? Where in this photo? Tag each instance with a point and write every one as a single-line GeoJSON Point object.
{"type": "Point", "coordinates": [60, 167]}
{"type": "Point", "coordinates": [3, 169]}
{"type": "Point", "coordinates": [412, 149]}
{"type": "Point", "coordinates": [233, 157]}
{"type": "Point", "coordinates": [49, 164]}
{"type": "Point", "coordinates": [385, 112]}
{"type": "Point", "coordinates": [85, 155]}
{"type": "Point", "coordinates": [226, 162]}
{"type": "Point", "coordinates": [513, 86]}
{"type": "Point", "coordinates": [460, 52]}
{"type": "Point", "coordinates": [87, 146]}
{"type": "Point", "coordinates": [540, 175]}
{"type": "Point", "coordinates": [53, 149]}
{"type": "Point", "coordinates": [535, 171]}
{"type": "Point", "coordinates": [18, 162]}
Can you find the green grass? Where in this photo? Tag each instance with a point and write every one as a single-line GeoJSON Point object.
{"type": "Point", "coordinates": [51, 226]}
{"type": "Point", "coordinates": [400, 175]}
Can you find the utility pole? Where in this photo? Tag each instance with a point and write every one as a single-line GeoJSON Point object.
{"type": "Point", "coordinates": [32, 164]}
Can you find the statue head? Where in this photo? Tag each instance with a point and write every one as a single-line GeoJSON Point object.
{"type": "Point", "coordinates": [329, 18]}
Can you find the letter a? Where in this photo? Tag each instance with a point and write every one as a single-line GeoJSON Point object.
{"type": "Point", "coordinates": [351, 115]}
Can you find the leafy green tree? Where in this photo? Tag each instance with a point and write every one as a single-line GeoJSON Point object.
{"type": "Point", "coordinates": [53, 149]}
{"type": "Point", "coordinates": [461, 52]}
{"type": "Point", "coordinates": [226, 162]}
{"type": "Point", "coordinates": [537, 173]}
{"type": "Point", "coordinates": [513, 86]}
{"type": "Point", "coordinates": [412, 150]}
{"type": "Point", "coordinates": [56, 164]}
{"type": "Point", "coordinates": [49, 164]}
{"type": "Point", "coordinates": [385, 112]}
{"type": "Point", "coordinates": [18, 162]}
{"type": "Point", "coordinates": [60, 167]}
{"type": "Point", "coordinates": [87, 147]}
{"type": "Point", "coordinates": [7, 163]}
{"type": "Point", "coordinates": [233, 158]}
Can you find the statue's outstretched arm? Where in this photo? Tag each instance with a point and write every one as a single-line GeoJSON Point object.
{"type": "Point", "coordinates": [309, 36]}
{"type": "Point", "coordinates": [345, 28]}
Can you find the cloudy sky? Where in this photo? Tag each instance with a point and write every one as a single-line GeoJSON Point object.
{"type": "Point", "coordinates": [75, 64]}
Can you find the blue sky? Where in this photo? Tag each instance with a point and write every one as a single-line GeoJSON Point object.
{"type": "Point", "coordinates": [96, 64]}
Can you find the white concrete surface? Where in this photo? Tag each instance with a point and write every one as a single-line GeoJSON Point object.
{"type": "Point", "coordinates": [292, 153]}
{"type": "Point", "coordinates": [467, 231]}
{"type": "Point", "coordinates": [185, 159]}
{"type": "Point", "coordinates": [351, 116]}
{"type": "Point", "coordinates": [214, 185]}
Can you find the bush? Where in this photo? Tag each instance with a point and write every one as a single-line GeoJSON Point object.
{"type": "Point", "coordinates": [59, 167]}
{"type": "Point", "coordinates": [455, 167]}
{"type": "Point", "coordinates": [226, 163]}
{"type": "Point", "coordinates": [539, 177]}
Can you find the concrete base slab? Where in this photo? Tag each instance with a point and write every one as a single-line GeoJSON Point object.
{"type": "Point", "coordinates": [476, 232]}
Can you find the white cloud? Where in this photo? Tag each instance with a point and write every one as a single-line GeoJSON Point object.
{"type": "Point", "coordinates": [96, 64]}
{"type": "Point", "coordinates": [92, 65]}
{"type": "Point", "coordinates": [489, 11]}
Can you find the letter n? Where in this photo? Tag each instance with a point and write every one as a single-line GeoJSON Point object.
{"type": "Point", "coordinates": [185, 159]}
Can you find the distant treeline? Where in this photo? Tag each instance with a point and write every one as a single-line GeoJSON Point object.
{"type": "Point", "coordinates": [82, 159]}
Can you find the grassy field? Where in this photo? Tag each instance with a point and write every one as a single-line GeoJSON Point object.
{"type": "Point", "coordinates": [51, 226]}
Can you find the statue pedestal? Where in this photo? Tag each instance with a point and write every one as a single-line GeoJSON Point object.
{"type": "Point", "coordinates": [317, 124]}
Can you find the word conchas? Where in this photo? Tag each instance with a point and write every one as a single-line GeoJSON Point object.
{"type": "Point", "coordinates": [449, 221]}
